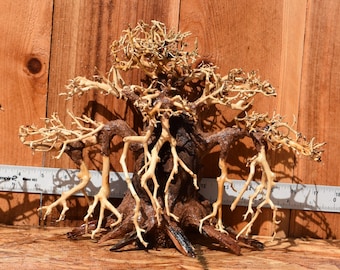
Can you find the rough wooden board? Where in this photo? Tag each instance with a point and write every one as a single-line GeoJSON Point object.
{"type": "Point", "coordinates": [34, 248]}
{"type": "Point", "coordinates": [25, 28]}
{"type": "Point", "coordinates": [261, 36]}
{"type": "Point", "coordinates": [319, 110]}
{"type": "Point", "coordinates": [84, 50]}
{"type": "Point", "coordinates": [295, 44]}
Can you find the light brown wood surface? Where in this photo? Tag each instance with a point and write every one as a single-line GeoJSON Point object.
{"type": "Point", "coordinates": [294, 44]}
{"type": "Point", "coordinates": [33, 248]}
{"type": "Point", "coordinates": [319, 112]}
{"type": "Point", "coordinates": [26, 28]}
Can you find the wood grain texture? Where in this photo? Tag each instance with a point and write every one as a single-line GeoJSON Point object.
{"type": "Point", "coordinates": [261, 36]}
{"type": "Point", "coordinates": [82, 49]}
{"type": "Point", "coordinates": [319, 112]}
{"type": "Point", "coordinates": [25, 28]}
{"type": "Point", "coordinates": [294, 44]}
{"type": "Point", "coordinates": [82, 32]}
{"type": "Point", "coordinates": [82, 35]}
{"type": "Point", "coordinates": [237, 34]}
{"type": "Point", "coordinates": [48, 248]}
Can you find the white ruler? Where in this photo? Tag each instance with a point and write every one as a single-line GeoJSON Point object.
{"type": "Point", "coordinates": [284, 195]}
{"type": "Point", "coordinates": [54, 181]}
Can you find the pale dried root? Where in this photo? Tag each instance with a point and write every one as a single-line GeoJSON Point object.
{"type": "Point", "coordinates": [172, 76]}
{"type": "Point", "coordinates": [170, 178]}
{"type": "Point", "coordinates": [101, 197]}
{"type": "Point", "coordinates": [84, 177]}
{"type": "Point", "coordinates": [152, 163]}
{"type": "Point", "coordinates": [267, 182]}
{"type": "Point", "coordinates": [277, 134]}
{"type": "Point", "coordinates": [104, 204]}
{"type": "Point", "coordinates": [247, 229]}
{"type": "Point", "coordinates": [217, 205]}
{"type": "Point", "coordinates": [130, 186]}
{"type": "Point", "coordinates": [253, 163]}
{"type": "Point", "coordinates": [176, 161]}
{"type": "Point", "coordinates": [56, 136]}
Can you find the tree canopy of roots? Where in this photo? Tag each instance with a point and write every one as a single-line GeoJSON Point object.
{"type": "Point", "coordinates": [173, 101]}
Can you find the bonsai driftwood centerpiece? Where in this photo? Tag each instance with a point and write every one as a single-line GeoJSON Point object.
{"type": "Point", "coordinates": [162, 200]}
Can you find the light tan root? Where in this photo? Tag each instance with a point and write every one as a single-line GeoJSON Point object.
{"type": "Point", "coordinates": [267, 183]}
{"type": "Point", "coordinates": [151, 160]}
{"type": "Point", "coordinates": [84, 177]}
{"type": "Point", "coordinates": [101, 197]}
{"type": "Point", "coordinates": [130, 186]}
{"type": "Point", "coordinates": [150, 172]}
{"type": "Point", "coordinates": [217, 205]}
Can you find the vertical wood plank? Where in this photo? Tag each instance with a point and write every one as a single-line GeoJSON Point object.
{"type": "Point", "coordinates": [25, 28]}
{"type": "Point", "coordinates": [266, 36]}
{"type": "Point", "coordinates": [319, 112]}
{"type": "Point", "coordinates": [82, 34]}
{"type": "Point", "coordinates": [85, 46]}
{"type": "Point", "coordinates": [24, 51]}
{"type": "Point", "coordinates": [236, 34]}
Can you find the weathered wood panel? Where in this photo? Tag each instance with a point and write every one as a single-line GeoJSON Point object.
{"type": "Point", "coordinates": [319, 112]}
{"type": "Point", "coordinates": [266, 36]}
{"type": "Point", "coordinates": [25, 28]}
{"type": "Point", "coordinates": [48, 248]}
{"type": "Point", "coordinates": [84, 47]}
{"type": "Point", "coordinates": [294, 44]}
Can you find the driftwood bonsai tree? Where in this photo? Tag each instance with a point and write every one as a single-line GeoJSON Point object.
{"type": "Point", "coordinates": [162, 200]}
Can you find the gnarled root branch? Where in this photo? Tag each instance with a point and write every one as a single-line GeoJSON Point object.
{"type": "Point", "coordinates": [225, 138]}
{"type": "Point", "coordinates": [127, 141]}
{"type": "Point", "coordinates": [217, 206]}
{"type": "Point", "coordinates": [267, 183]}
{"type": "Point", "coordinates": [84, 177]}
{"type": "Point", "coordinates": [151, 159]}
{"type": "Point", "coordinates": [101, 197]}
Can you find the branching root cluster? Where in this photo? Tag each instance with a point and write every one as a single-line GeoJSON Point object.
{"type": "Point", "coordinates": [171, 101]}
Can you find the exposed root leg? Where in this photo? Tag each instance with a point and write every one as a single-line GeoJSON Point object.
{"type": "Point", "coordinates": [247, 229]}
{"type": "Point", "coordinates": [217, 206]}
{"type": "Point", "coordinates": [153, 196]}
{"type": "Point", "coordinates": [130, 186]}
{"type": "Point", "coordinates": [252, 165]}
{"type": "Point", "coordinates": [258, 190]}
{"type": "Point", "coordinates": [267, 182]}
{"type": "Point", "coordinates": [174, 171]}
{"type": "Point", "coordinates": [101, 197]}
{"type": "Point", "coordinates": [84, 177]}
{"type": "Point", "coordinates": [170, 178]}
{"type": "Point", "coordinates": [151, 167]}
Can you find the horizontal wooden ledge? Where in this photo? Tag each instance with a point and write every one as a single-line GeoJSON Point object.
{"type": "Point", "coordinates": [43, 248]}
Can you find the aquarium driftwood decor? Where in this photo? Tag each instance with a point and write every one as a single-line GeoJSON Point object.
{"type": "Point", "coordinates": [173, 99]}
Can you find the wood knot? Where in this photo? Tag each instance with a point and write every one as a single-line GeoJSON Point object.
{"type": "Point", "coordinates": [34, 65]}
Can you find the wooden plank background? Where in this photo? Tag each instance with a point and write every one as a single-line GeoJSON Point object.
{"type": "Point", "coordinates": [294, 44]}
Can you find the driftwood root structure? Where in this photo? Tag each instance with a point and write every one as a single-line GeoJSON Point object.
{"type": "Point", "coordinates": [174, 101]}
